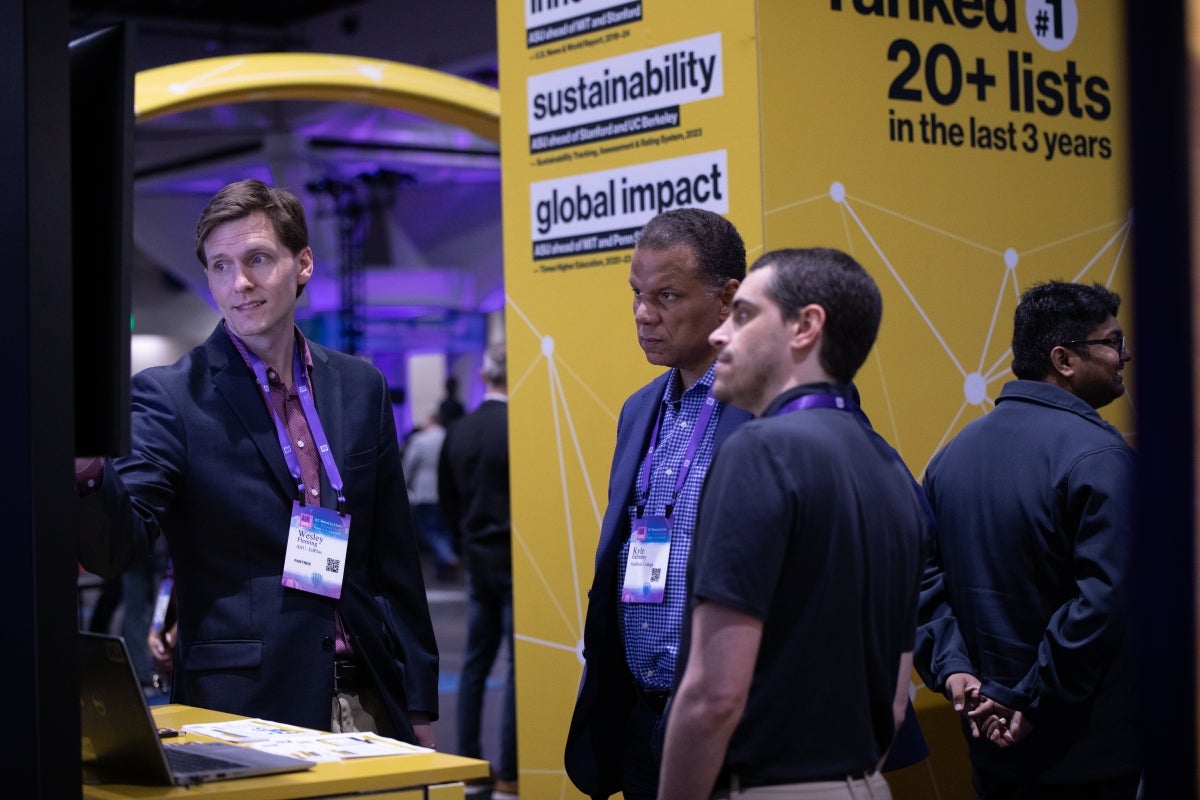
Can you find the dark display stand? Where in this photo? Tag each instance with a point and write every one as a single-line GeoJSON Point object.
{"type": "Point", "coordinates": [38, 589]}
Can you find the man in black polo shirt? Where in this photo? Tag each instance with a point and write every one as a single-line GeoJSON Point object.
{"type": "Point", "coordinates": [797, 653]}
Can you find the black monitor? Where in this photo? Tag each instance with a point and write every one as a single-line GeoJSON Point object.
{"type": "Point", "coordinates": [102, 236]}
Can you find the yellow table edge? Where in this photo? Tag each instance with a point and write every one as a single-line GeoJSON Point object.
{"type": "Point", "coordinates": [381, 776]}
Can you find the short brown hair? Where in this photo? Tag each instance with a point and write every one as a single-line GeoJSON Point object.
{"type": "Point", "coordinates": [243, 198]}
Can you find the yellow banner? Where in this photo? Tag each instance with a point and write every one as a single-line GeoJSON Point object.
{"type": "Point", "coordinates": [613, 111]}
{"type": "Point", "coordinates": [960, 150]}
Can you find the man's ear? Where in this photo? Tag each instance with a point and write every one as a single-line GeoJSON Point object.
{"type": "Point", "coordinates": [304, 260]}
{"type": "Point", "coordinates": [726, 294]}
{"type": "Point", "coordinates": [1062, 360]}
{"type": "Point", "coordinates": [808, 326]}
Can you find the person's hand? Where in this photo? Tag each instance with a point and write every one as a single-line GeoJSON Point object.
{"type": "Point", "coordinates": [986, 716]}
{"type": "Point", "coordinates": [161, 645]}
{"type": "Point", "coordinates": [962, 689]}
{"type": "Point", "coordinates": [423, 730]}
{"type": "Point", "coordinates": [999, 724]}
{"type": "Point", "coordinates": [1006, 730]}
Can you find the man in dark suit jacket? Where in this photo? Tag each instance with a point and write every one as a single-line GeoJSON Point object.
{"type": "Point", "coordinates": [473, 493]}
{"type": "Point", "coordinates": [237, 449]}
{"type": "Point", "coordinates": [685, 269]}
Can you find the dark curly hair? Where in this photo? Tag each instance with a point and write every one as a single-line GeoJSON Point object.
{"type": "Point", "coordinates": [718, 246]}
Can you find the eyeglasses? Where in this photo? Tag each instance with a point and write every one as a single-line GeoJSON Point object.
{"type": "Point", "coordinates": [1115, 342]}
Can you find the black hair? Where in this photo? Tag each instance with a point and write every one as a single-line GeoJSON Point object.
{"type": "Point", "coordinates": [1052, 313]}
{"type": "Point", "coordinates": [720, 252]}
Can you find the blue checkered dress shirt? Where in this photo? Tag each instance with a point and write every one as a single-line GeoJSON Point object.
{"type": "Point", "coordinates": [651, 630]}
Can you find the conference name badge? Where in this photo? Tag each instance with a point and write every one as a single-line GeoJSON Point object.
{"type": "Point", "coordinates": [646, 565]}
{"type": "Point", "coordinates": [318, 540]}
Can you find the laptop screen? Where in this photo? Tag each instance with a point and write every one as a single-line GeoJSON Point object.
{"type": "Point", "coordinates": [120, 741]}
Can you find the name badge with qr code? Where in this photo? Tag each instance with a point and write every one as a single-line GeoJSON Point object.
{"type": "Point", "coordinates": [316, 553]}
{"type": "Point", "coordinates": [646, 564]}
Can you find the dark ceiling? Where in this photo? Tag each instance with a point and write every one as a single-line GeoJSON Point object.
{"type": "Point", "coordinates": [242, 12]}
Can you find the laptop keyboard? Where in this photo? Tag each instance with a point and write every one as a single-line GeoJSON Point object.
{"type": "Point", "coordinates": [186, 759]}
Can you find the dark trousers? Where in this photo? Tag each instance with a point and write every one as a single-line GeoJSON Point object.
{"type": "Point", "coordinates": [643, 750]}
{"type": "Point", "coordinates": [989, 786]}
{"type": "Point", "coordinates": [489, 625]}
{"type": "Point", "coordinates": [433, 533]}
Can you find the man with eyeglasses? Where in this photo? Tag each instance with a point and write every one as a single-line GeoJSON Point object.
{"type": "Point", "coordinates": [1023, 622]}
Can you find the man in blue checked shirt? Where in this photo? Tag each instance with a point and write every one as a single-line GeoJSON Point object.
{"type": "Point", "coordinates": [685, 270]}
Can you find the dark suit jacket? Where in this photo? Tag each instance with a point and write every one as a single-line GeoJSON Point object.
{"type": "Point", "coordinates": [206, 471]}
{"type": "Point", "coordinates": [606, 691]}
{"type": "Point", "coordinates": [473, 486]}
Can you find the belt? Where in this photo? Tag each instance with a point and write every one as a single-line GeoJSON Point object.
{"type": "Point", "coordinates": [654, 698]}
{"type": "Point", "coordinates": [348, 675]}
{"type": "Point", "coordinates": [733, 783]}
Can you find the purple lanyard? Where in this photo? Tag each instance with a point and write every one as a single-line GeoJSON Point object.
{"type": "Point", "coordinates": [710, 405]}
{"type": "Point", "coordinates": [816, 401]}
{"type": "Point", "coordinates": [300, 374]}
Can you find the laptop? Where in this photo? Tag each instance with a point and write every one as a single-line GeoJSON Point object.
{"type": "Point", "coordinates": [121, 743]}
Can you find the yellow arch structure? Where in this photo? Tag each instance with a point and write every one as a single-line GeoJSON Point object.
{"type": "Point", "coordinates": [317, 76]}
